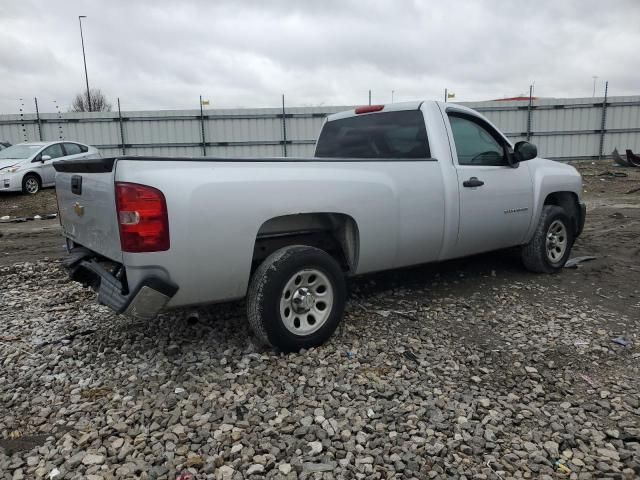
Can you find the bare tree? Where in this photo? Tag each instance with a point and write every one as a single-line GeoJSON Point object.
{"type": "Point", "coordinates": [99, 102]}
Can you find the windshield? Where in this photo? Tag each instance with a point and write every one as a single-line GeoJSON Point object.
{"type": "Point", "coordinates": [19, 152]}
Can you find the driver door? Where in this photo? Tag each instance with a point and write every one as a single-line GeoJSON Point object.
{"type": "Point", "coordinates": [46, 170]}
{"type": "Point", "coordinates": [496, 200]}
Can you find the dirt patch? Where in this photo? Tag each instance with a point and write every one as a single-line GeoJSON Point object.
{"type": "Point", "coordinates": [21, 205]}
{"type": "Point", "coordinates": [21, 443]}
{"type": "Point", "coordinates": [30, 241]}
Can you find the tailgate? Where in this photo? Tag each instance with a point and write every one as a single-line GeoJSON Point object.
{"type": "Point", "coordinates": [86, 201]}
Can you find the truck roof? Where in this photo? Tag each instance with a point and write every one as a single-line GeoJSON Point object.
{"type": "Point", "coordinates": [389, 107]}
{"type": "Point", "coordinates": [395, 107]}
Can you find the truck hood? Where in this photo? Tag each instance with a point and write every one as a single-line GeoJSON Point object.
{"type": "Point", "coordinates": [558, 166]}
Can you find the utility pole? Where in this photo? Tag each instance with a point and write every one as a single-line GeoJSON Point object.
{"type": "Point", "coordinates": [529, 112]}
{"type": "Point", "coordinates": [35, 99]}
{"type": "Point", "coordinates": [284, 129]}
{"type": "Point", "coordinates": [595, 77]}
{"type": "Point", "coordinates": [204, 142]}
{"type": "Point", "coordinates": [86, 76]}
{"type": "Point", "coordinates": [445, 95]}
{"type": "Point", "coordinates": [392, 92]}
{"type": "Point", "coordinates": [369, 97]}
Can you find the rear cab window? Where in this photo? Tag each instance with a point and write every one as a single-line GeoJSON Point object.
{"type": "Point", "coordinates": [392, 135]}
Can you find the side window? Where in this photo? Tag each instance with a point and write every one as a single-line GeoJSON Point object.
{"type": "Point", "coordinates": [54, 151]}
{"type": "Point", "coordinates": [83, 148]}
{"type": "Point", "coordinates": [72, 148]}
{"type": "Point", "coordinates": [476, 144]}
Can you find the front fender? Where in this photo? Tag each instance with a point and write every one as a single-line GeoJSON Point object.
{"type": "Point", "coordinates": [549, 177]}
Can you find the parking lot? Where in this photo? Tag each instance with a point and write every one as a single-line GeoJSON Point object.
{"type": "Point", "coordinates": [469, 369]}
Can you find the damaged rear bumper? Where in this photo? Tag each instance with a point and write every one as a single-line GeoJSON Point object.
{"type": "Point", "coordinates": [146, 301]}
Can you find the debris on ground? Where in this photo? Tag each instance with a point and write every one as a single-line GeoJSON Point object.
{"type": "Point", "coordinates": [576, 261]}
{"type": "Point", "coordinates": [632, 158]}
{"type": "Point", "coordinates": [561, 467]}
{"type": "Point", "coordinates": [621, 341]}
{"type": "Point", "coordinates": [619, 159]}
{"type": "Point", "coordinates": [612, 174]}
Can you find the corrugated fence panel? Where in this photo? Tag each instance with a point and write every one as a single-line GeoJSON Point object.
{"type": "Point", "coordinates": [561, 127]}
{"type": "Point", "coordinates": [622, 141]}
{"type": "Point", "coordinates": [508, 121]}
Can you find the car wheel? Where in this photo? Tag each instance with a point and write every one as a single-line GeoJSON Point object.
{"type": "Point", "coordinates": [31, 184]}
{"type": "Point", "coordinates": [296, 298]}
{"type": "Point", "coordinates": [550, 247]}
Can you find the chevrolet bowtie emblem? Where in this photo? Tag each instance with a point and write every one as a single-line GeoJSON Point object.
{"type": "Point", "coordinates": [79, 209]}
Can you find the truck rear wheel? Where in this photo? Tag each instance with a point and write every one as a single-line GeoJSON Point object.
{"type": "Point", "coordinates": [296, 298]}
{"type": "Point", "coordinates": [550, 247]}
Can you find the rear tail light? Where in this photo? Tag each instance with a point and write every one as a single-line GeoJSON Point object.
{"type": "Point", "coordinates": [142, 218]}
{"type": "Point", "coordinates": [369, 108]}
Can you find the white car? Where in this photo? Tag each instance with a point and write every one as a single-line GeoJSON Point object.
{"type": "Point", "coordinates": [28, 167]}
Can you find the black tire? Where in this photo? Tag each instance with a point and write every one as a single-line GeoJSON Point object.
{"type": "Point", "coordinates": [31, 184]}
{"type": "Point", "coordinates": [267, 290]}
{"type": "Point", "coordinates": [534, 255]}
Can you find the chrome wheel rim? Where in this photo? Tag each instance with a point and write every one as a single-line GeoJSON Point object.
{"type": "Point", "coordinates": [306, 301]}
{"type": "Point", "coordinates": [556, 241]}
{"type": "Point", "coordinates": [31, 185]}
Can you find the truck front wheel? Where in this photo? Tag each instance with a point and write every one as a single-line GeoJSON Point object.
{"type": "Point", "coordinates": [296, 298]}
{"type": "Point", "coordinates": [550, 247]}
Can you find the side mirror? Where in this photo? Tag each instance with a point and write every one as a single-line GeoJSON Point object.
{"type": "Point", "coordinates": [523, 151]}
{"type": "Point", "coordinates": [44, 158]}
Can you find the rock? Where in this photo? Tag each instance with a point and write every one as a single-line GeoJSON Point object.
{"type": "Point", "coordinates": [284, 468]}
{"type": "Point", "coordinates": [225, 472]}
{"type": "Point", "coordinates": [255, 468]}
{"type": "Point", "coordinates": [93, 459]}
{"type": "Point", "coordinates": [608, 454]}
{"type": "Point", "coordinates": [117, 443]}
{"type": "Point", "coordinates": [195, 461]}
{"type": "Point", "coordinates": [315, 448]}
{"type": "Point", "coordinates": [309, 467]}
{"type": "Point", "coordinates": [552, 449]}
{"type": "Point", "coordinates": [157, 471]}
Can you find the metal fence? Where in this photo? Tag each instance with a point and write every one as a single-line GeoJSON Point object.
{"type": "Point", "coordinates": [577, 128]}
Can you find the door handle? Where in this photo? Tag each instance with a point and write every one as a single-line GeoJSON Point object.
{"type": "Point", "coordinates": [473, 182]}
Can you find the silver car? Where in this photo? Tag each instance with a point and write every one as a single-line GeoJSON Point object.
{"type": "Point", "coordinates": [28, 167]}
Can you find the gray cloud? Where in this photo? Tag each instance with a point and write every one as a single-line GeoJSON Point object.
{"type": "Point", "coordinates": [164, 54]}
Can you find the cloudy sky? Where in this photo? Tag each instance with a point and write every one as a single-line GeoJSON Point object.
{"type": "Point", "coordinates": [163, 54]}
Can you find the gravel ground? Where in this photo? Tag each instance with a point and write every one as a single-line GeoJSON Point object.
{"type": "Point", "coordinates": [470, 369]}
{"type": "Point", "coordinates": [490, 378]}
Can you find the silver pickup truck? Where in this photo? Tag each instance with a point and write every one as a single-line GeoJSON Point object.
{"type": "Point", "coordinates": [389, 186]}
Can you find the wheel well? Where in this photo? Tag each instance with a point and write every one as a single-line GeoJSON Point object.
{"type": "Point", "coordinates": [33, 174]}
{"type": "Point", "coordinates": [335, 233]}
{"type": "Point", "coordinates": [568, 201]}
